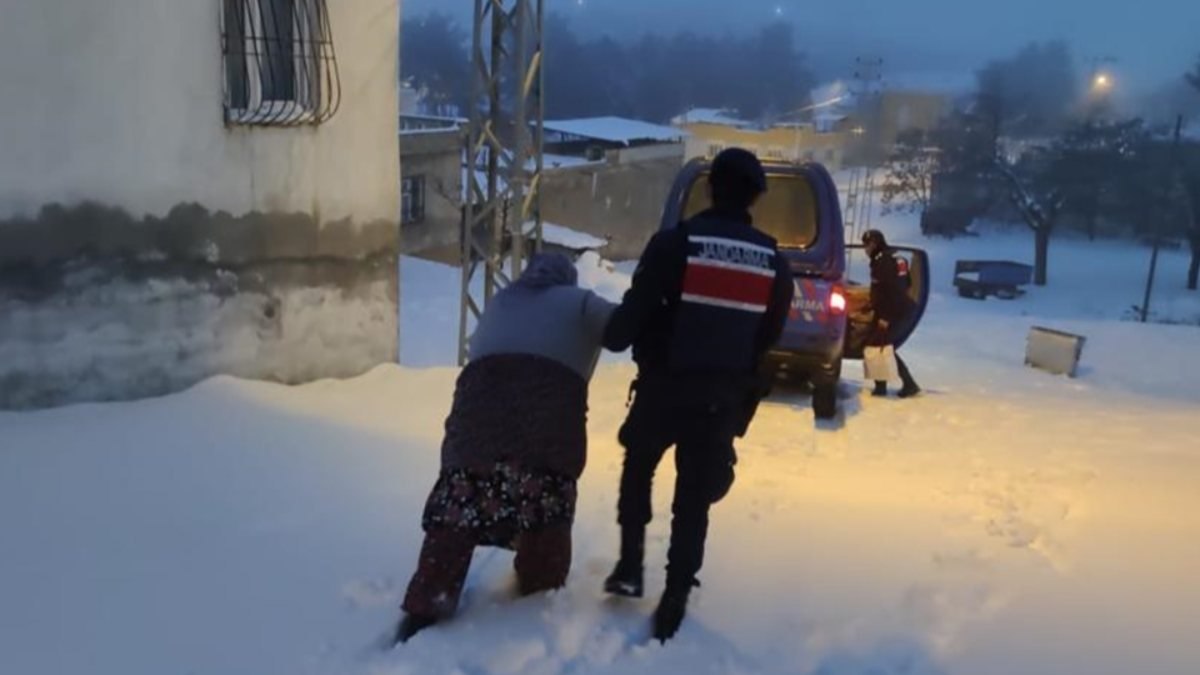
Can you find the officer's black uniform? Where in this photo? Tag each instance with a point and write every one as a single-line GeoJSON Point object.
{"type": "Point", "coordinates": [889, 302]}
{"type": "Point", "coordinates": [708, 300]}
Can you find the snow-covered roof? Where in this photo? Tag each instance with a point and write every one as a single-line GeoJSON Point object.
{"type": "Point", "coordinates": [723, 117]}
{"type": "Point", "coordinates": [830, 91]}
{"type": "Point", "coordinates": [832, 116]}
{"type": "Point", "coordinates": [615, 130]}
{"type": "Point", "coordinates": [426, 124]}
{"type": "Point", "coordinates": [428, 131]}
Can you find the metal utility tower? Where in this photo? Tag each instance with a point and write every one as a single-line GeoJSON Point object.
{"type": "Point", "coordinates": [502, 211]}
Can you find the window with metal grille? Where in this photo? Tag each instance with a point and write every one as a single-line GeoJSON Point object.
{"type": "Point", "coordinates": [412, 200]}
{"type": "Point", "coordinates": [280, 65]}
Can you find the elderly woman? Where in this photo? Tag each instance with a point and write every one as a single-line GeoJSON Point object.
{"type": "Point", "coordinates": [515, 443]}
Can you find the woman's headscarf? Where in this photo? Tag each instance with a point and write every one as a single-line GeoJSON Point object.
{"type": "Point", "coordinates": [546, 270]}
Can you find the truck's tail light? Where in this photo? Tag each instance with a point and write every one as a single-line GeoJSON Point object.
{"type": "Point", "coordinates": [837, 300]}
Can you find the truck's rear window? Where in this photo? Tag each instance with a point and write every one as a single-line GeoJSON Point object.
{"type": "Point", "coordinates": [787, 212]}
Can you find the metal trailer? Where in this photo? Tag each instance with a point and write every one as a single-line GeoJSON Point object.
{"type": "Point", "coordinates": [978, 279]}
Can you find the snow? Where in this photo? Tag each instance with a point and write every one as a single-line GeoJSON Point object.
{"type": "Point", "coordinates": [198, 326]}
{"type": "Point", "coordinates": [718, 116]}
{"type": "Point", "coordinates": [615, 130]}
{"type": "Point", "coordinates": [837, 90]}
{"type": "Point", "coordinates": [1007, 522]}
{"type": "Point", "coordinates": [560, 235]}
{"type": "Point", "coordinates": [565, 162]}
{"type": "Point", "coordinates": [609, 279]}
{"type": "Point", "coordinates": [428, 131]}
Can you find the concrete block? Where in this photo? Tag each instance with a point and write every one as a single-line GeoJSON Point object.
{"type": "Point", "coordinates": [1054, 351]}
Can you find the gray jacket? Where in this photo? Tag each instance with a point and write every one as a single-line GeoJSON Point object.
{"type": "Point", "coordinates": [545, 314]}
{"type": "Point", "coordinates": [562, 323]}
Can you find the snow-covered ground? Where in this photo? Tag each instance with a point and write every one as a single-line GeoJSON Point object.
{"type": "Point", "coordinates": [1007, 522]}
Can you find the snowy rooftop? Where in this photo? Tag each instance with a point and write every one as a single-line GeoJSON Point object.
{"type": "Point", "coordinates": [615, 130]}
{"type": "Point", "coordinates": [428, 131]}
{"type": "Point", "coordinates": [723, 117]}
{"type": "Point", "coordinates": [428, 124]}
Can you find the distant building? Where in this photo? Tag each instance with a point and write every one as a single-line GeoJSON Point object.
{"type": "Point", "coordinates": [719, 116]}
{"type": "Point", "coordinates": [190, 188]}
{"type": "Point", "coordinates": [907, 102]}
{"type": "Point", "coordinates": [894, 112]}
{"type": "Point", "coordinates": [431, 185]}
{"type": "Point", "coordinates": [795, 142]}
{"type": "Point", "coordinates": [610, 177]}
{"type": "Point", "coordinates": [592, 138]}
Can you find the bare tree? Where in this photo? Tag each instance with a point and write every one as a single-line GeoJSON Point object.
{"type": "Point", "coordinates": [434, 57]}
{"type": "Point", "coordinates": [1039, 201]}
{"type": "Point", "coordinates": [1193, 192]}
{"type": "Point", "coordinates": [1093, 161]}
{"type": "Point", "coordinates": [910, 171]}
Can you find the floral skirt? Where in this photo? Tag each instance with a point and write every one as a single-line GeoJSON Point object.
{"type": "Point", "coordinates": [497, 505]}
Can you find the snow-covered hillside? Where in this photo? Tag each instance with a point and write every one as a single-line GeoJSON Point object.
{"type": "Point", "coordinates": [1007, 522]}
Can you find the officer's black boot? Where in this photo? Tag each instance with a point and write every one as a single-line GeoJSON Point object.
{"type": "Point", "coordinates": [671, 610]}
{"type": "Point", "coordinates": [626, 578]}
{"type": "Point", "coordinates": [910, 388]}
{"type": "Point", "coordinates": [410, 625]}
{"type": "Point", "coordinates": [880, 390]}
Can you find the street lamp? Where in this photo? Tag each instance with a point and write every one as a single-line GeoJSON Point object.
{"type": "Point", "coordinates": [1102, 78]}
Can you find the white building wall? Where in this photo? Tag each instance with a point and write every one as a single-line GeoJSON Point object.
{"type": "Point", "coordinates": [120, 102]}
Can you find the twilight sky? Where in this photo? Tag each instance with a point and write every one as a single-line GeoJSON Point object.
{"type": "Point", "coordinates": [1152, 40]}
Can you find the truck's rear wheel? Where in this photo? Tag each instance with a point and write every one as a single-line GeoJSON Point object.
{"type": "Point", "coordinates": [824, 400]}
{"type": "Point", "coordinates": [825, 392]}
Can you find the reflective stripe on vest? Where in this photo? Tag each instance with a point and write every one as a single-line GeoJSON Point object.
{"type": "Point", "coordinates": [728, 273]}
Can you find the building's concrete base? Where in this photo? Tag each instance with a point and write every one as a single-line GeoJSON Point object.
{"type": "Point", "coordinates": [96, 305]}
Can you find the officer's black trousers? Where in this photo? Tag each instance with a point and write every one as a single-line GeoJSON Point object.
{"type": "Point", "coordinates": [704, 457]}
